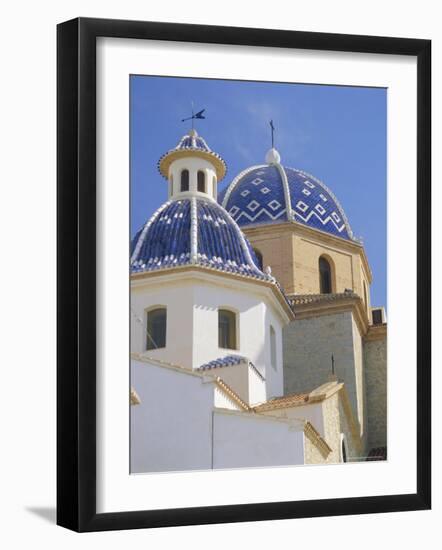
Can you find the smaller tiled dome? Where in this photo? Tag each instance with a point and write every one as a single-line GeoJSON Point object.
{"type": "Point", "coordinates": [197, 146]}
{"type": "Point", "coordinates": [194, 231]}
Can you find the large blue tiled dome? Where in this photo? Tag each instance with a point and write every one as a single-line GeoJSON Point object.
{"type": "Point", "coordinates": [272, 193]}
{"type": "Point", "coordinates": [194, 231]}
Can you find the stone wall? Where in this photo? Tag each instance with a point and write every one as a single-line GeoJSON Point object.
{"type": "Point", "coordinates": [332, 427]}
{"type": "Point", "coordinates": [293, 252]}
{"type": "Point", "coordinates": [375, 355]}
{"type": "Point", "coordinates": [336, 424]}
{"type": "Point", "coordinates": [312, 455]}
{"type": "Point", "coordinates": [353, 443]}
{"type": "Point", "coordinates": [307, 348]}
{"type": "Point", "coordinates": [360, 382]}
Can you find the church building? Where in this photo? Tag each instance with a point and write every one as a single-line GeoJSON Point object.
{"type": "Point", "coordinates": [253, 339]}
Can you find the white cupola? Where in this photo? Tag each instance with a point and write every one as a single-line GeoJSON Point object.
{"type": "Point", "coordinates": [192, 168]}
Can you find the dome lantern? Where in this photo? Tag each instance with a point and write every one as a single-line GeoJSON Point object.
{"type": "Point", "coordinates": [192, 168]}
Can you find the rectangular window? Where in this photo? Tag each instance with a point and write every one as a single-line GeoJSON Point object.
{"type": "Point", "coordinates": [226, 329]}
{"type": "Point", "coordinates": [156, 328]}
{"type": "Point", "coordinates": [377, 316]}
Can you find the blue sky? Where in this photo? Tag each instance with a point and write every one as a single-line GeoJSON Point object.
{"type": "Point", "coordinates": [337, 134]}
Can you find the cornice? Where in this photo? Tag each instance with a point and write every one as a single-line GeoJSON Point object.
{"type": "Point", "coordinates": [204, 272]}
{"type": "Point", "coordinates": [340, 304]}
{"type": "Point", "coordinates": [376, 332]}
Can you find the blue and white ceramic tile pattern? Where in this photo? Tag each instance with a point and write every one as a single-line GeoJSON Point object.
{"type": "Point", "coordinates": [191, 142]}
{"type": "Point", "coordinates": [165, 240]}
{"type": "Point", "coordinates": [227, 361]}
{"type": "Point", "coordinates": [257, 196]}
{"type": "Point", "coordinates": [230, 361]}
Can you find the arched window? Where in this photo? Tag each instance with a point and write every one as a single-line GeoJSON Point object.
{"type": "Point", "coordinates": [258, 257]}
{"type": "Point", "coordinates": [325, 276]}
{"type": "Point", "coordinates": [184, 180]}
{"type": "Point", "coordinates": [273, 347]}
{"type": "Point", "coordinates": [201, 177]}
{"type": "Point", "coordinates": [156, 328]}
{"type": "Point", "coordinates": [226, 329]}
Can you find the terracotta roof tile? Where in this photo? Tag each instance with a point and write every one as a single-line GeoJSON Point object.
{"type": "Point", "coordinates": [232, 394]}
{"type": "Point", "coordinates": [302, 299]}
{"type": "Point", "coordinates": [283, 402]}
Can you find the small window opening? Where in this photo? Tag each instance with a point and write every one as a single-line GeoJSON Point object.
{"type": "Point", "coordinates": [156, 328]}
{"type": "Point", "coordinates": [185, 180]}
{"type": "Point", "coordinates": [226, 329]}
{"type": "Point", "coordinates": [201, 181]}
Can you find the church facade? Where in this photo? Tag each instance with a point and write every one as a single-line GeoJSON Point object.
{"type": "Point", "coordinates": [253, 340]}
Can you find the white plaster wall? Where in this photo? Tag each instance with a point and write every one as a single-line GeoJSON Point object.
{"type": "Point", "coordinates": [313, 413]}
{"type": "Point", "coordinates": [192, 325]}
{"type": "Point", "coordinates": [178, 299]}
{"type": "Point", "coordinates": [175, 428]}
{"type": "Point", "coordinates": [171, 427]}
{"type": "Point", "coordinates": [223, 402]}
{"type": "Point", "coordinates": [235, 376]}
{"type": "Point", "coordinates": [257, 387]}
{"type": "Point", "coordinates": [248, 440]}
{"type": "Point", "coordinates": [253, 331]}
{"type": "Point", "coordinates": [274, 377]}
{"type": "Point", "coordinates": [244, 380]}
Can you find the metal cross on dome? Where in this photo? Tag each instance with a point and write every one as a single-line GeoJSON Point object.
{"type": "Point", "coordinates": [272, 130]}
{"type": "Point", "coordinates": [199, 115]}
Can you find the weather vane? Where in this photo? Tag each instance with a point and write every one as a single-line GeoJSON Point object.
{"type": "Point", "coordinates": [199, 115]}
{"type": "Point", "coordinates": [272, 129]}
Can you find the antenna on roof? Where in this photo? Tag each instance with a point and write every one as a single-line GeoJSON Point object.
{"type": "Point", "coordinates": [332, 376]}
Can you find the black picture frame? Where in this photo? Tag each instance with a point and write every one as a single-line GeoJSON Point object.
{"type": "Point", "coordinates": [76, 273]}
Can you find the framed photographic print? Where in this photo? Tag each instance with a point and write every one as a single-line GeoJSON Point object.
{"type": "Point", "coordinates": [240, 212]}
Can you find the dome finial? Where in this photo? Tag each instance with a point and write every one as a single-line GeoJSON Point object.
{"type": "Point", "coordinates": [272, 156]}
